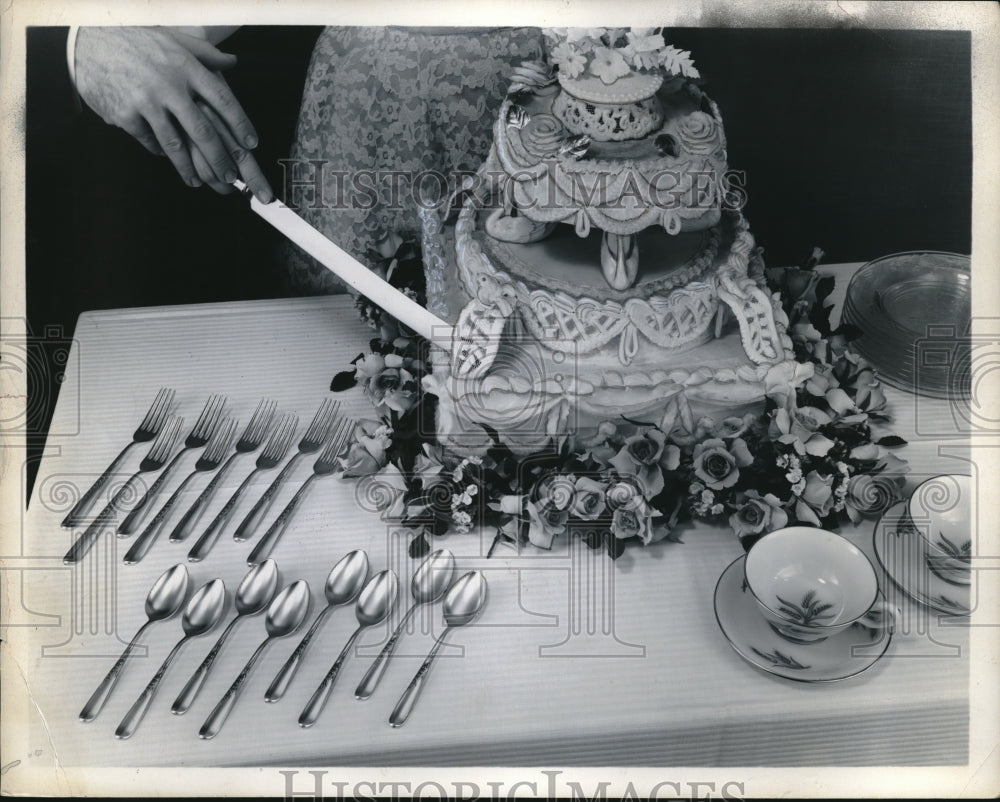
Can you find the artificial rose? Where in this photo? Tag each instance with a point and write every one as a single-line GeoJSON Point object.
{"type": "Point", "coordinates": [782, 380]}
{"type": "Point", "coordinates": [634, 519]}
{"type": "Point", "coordinates": [547, 516]}
{"type": "Point", "coordinates": [758, 515]}
{"type": "Point", "coordinates": [645, 456]}
{"type": "Point", "coordinates": [871, 494]}
{"type": "Point", "coordinates": [387, 382]}
{"type": "Point", "coordinates": [839, 401]}
{"type": "Point", "coordinates": [718, 465]}
{"type": "Point", "coordinates": [588, 499]}
{"type": "Point", "coordinates": [805, 421]}
{"type": "Point", "coordinates": [817, 494]}
{"type": "Point", "coordinates": [368, 453]}
{"type": "Point", "coordinates": [822, 380]}
{"type": "Point", "coordinates": [703, 429]}
{"type": "Point", "coordinates": [733, 427]}
{"type": "Point", "coordinates": [807, 340]}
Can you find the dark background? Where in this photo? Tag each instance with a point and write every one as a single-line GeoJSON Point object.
{"type": "Point", "coordinates": [858, 141]}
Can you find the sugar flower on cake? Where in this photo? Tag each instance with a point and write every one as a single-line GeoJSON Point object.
{"type": "Point", "coordinates": [717, 463]}
{"type": "Point", "coordinates": [612, 53]}
{"type": "Point", "coordinates": [609, 65]}
{"type": "Point", "coordinates": [568, 58]}
{"type": "Point", "coordinates": [644, 46]}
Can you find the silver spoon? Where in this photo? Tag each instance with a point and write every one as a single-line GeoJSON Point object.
{"type": "Point", "coordinates": [284, 615]}
{"type": "Point", "coordinates": [462, 604]}
{"type": "Point", "coordinates": [164, 599]}
{"type": "Point", "coordinates": [253, 595]}
{"type": "Point", "coordinates": [429, 583]}
{"type": "Point", "coordinates": [373, 606]}
{"type": "Point", "coordinates": [342, 587]}
{"type": "Point", "coordinates": [200, 616]}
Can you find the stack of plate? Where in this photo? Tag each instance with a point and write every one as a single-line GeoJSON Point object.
{"type": "Point", "coordinates": [914, 311]}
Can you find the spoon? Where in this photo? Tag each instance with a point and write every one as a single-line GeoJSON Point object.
{"type": "Point", "coordinates": [252, 596]}
{"type": "Point", "coordinates": [164, 599]}
{"type": "Point", "coordinates": [428, 585]}
{"type": "Point", "coordinates": [342, 587]}
{"type": "Point", "coordinates": [462, 604]}
{"type": "Point", "coordinates": [373, 606]}
{"type": "Point", "coordinates": [284, 615]}
{"type": "Point", "coordinates": [201, 614]}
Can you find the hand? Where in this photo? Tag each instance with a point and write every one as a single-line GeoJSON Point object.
{"type": "Point", "coordinates": [150, 81]}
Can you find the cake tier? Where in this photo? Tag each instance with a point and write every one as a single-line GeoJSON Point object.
{"type": "Point", "coordinates": [560, 297]}
{"type": "Point", "coordinates": [674, 177]}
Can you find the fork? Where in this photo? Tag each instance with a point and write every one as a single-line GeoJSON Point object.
{"type": "Point", "coordinates": [324, 466]}
{"type": "Point", "coordinates": [310, 443]}
{"type": "Point", "coordinates": [249, 442]}
{"type": "Point", "coordinates": [153, 461]}
{"type": "Point", "coordinates": [210, 459]}
{"type": "Point", "coordinates": [273, 453]}
{"type": "Point", "coordinates": [199, 436]}
{"type": "Point", "coordinates": [148, 429]}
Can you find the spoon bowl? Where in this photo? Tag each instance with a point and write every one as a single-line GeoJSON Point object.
{"type": "Point", "coordinates": [342, 586]}
{"type": "Point", "coordinates": [428, 584]}
{"type": "Point", "coordinates": [201, 615]}
{"type": "Point", "coordinates": [252, 596]}
{"type": "Point", "coordinates": [163, 600]}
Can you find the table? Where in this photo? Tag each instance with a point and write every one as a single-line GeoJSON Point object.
{"type": "Point", "coordinates": [575, 661]}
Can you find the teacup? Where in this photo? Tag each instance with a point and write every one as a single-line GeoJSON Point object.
{"type": "Point", "coordinates": [940, 512]}
{"type": "Point", "coordinates": [811, 584]}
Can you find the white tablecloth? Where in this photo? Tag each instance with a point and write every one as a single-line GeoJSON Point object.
{"type": "Point", "coordinates": [575, 661]}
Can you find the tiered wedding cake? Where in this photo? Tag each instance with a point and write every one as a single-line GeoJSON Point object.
{"type": "Point", "coordinates": [600, 267]}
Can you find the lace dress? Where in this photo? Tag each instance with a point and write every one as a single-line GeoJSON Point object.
{"type": "Point", "coordinates": [389, 115]}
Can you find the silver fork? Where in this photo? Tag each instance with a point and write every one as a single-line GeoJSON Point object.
{"type": "Point", "coordinates": [210, 459]}
{"type": "Point", "coordinates": [153, 461]}
{"type": "Point", "coordinates": [203, 429]}
{"type": "Point", "coordinates": [311, 442]}
{"type": "Point", "coordinates": [249, 442]}
{"type": "Point", "coordinates": [324, 466]}
{"type": "Point", "coordinates": [148, 429]}
{"type": "Point", "coordinates": [274, 452]}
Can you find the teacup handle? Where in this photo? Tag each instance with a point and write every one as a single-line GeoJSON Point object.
{"type": "Point", "coordinates": [882, 615]}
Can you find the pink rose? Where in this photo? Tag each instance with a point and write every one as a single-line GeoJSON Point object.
{"type": "Point", "coordinates": [588, 499]}
{"type": "Point", "coordinates": [645, 456]}
{"type": "Point", "coordinates": [634, 519]}
{"type": "Point", "coordinates": [758, 515]}
{"type": "Point", "coordinates": [387, 382]}
{"type": "Point", "coordinates": [816, 499]}
{"type": "Point", "coordinates": [718, 465]}
{"type": "Point", "coordinates": [368, 454]}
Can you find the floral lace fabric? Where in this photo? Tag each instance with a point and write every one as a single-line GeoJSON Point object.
{"type": "Point", "coordinates": [381, 107]}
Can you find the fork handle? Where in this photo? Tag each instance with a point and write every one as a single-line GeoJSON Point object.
{"type": "Point", "coordinates": [273, 534]}
{"type": "Point", "coordinates": [75, 515]}
{"type": "Point", "coordinates": [128, 526]}
{"type": "Point", "coordinates": [145, 541]}
{"type": "Point", "coordinates": [249, 524]}
{"type": "Point", "coordinates": [106, 517]}
{"type": "Point", "coordinates": [181, 531]}
{"type": "Point", "coordinates": [204, 544]}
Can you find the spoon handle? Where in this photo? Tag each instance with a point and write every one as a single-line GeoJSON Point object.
{"type": "Point", "coordinates": [286, 673]}
{"type": "Point", "coordinates": [145, 541]}
{"type": "Point", "coordinates": [409, 698]}
{"type": "Point", "coordinates": [310, 713]}
{"type": "Point", "coordinates": [263, 548]}
{"type": "Point", "coordinates": [246, 528]}
{"type": "Point", "coordinates": [130, 723]}
{"type": "Point", "coordinates": [213, 724]}
{"type": "Point", "coordinates": [374, 674]}
{"type": "Point", "coordinates": [75, 515]}
{"type": "Point", "coordinates": [192, 687]}
{"type": "Point", "coordinates": [100, 696]}
{"type": "Point", "coordinates": [181, 530]}
{"type": "Point", "coordinates": [204, 543]}
{"type": "Point", "coordinates": [105, 518]}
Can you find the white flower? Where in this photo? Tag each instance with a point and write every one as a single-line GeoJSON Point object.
{"type": "Point", "coordinates": [608, 65]}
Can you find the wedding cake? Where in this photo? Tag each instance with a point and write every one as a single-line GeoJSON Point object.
{"type": "Point", "coordinates": [599, 266]}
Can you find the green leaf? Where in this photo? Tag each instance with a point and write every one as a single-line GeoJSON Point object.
{"type": "Point", "coordinates": [891, 441]}
{"type": "Point", "coordinates": [344, 380]}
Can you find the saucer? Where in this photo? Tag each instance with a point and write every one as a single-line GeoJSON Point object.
{"type": "Point", "coordinates": [899, 552]}
{"type": "Point", "coordinates": [840, 656]}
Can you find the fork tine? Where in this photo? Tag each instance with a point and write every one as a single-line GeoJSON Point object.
{"type": "Point", "coordinates": [206, 422]}
{"type": "Point", "coordinates": [157, 410]}
{"type": "Point", "coordinates": [261, 420]}
{"type": "Point", "coordinates": [165, 440]}
{"type": "Point", "coordinates": [320, 425]}
{"type": "Point", "coordinates": [221, 440]}
{"type": "Point", "coordinates": [281, 437]}
{"type": "Point", "coordinates": [336, 442]}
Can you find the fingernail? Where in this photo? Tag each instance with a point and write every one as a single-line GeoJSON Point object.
{"type": "Point", "coordinates": [265, 196]}
{"type": "Point", "coordinates": [251, 141]}
{"type": "Point", "coordinates": [194, 181]}
{"type": "Point", "coordinates": [230, 176]}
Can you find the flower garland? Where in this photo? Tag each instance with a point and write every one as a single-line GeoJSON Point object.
{"type": "Point", "coordinates": [819, 454]}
